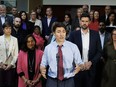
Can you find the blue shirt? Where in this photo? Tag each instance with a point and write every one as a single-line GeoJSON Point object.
{"type": "Point", "coordinates": [53, 39]}
{"type": "Point", "coordinates": [71, 56]}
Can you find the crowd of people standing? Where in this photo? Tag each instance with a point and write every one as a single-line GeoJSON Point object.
{"type": "Point", "coordinates": [38, 51]}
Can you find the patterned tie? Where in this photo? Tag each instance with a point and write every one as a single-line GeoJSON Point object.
{"type": "Point", "coordinates": [60, 64]}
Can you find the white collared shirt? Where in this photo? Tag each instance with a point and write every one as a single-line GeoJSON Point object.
{"type": "Point", "coordinates": [102, 36]}
{"type": "Point", "coordinates": [111, 25]}
{"type": "Point", "coordinates": [48, 21]}
{"type": "Point", "coordinates": [85, 45]}
{"type": "Point", "coordinates": [106, 17]}
{"type": "Point", "coordinates": [2, 20]}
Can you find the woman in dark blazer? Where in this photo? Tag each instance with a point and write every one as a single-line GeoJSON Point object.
{"type": "Point", "coordinates": [109, 72]}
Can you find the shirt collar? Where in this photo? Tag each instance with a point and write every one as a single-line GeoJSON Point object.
{"type": "Point", "coordinates": [3, 16]}
{"type": "Point", "coordinates": [56, 44]}
{"type": "Point", "coordinates": [101, 33]}
{"type": "Point", "coordinates": [84, 33]}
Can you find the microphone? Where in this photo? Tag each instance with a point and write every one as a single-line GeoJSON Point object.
{"type": "Point", "coordinates": [57, 57]}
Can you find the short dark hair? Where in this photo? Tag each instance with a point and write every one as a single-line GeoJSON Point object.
{"type": "Point", "coordinates": [24, 46]}
{"type": "Point", "coordinates": [49, 7]}
{"type": "Point", "coordinates": [85, 15]}
{"type": "Point", "coordinates": [6, 24]}
{"type": "Point", "coordinates": [14, 7]}
{"type": "Point", "coordinates": [58, 24]}
{"type": "Point", "coordinates": [102, 21]}
{"type": "Point", "coordinates": [36, 26]}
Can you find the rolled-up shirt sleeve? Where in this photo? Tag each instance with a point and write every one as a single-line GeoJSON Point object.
{"type": "Point", "coordinates": [44, 61]}
{"type": "Point", "coordinates": [77, 56]}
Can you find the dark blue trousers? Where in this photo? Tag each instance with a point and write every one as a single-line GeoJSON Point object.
{"type": "Point", "coordinates": [53, 82]}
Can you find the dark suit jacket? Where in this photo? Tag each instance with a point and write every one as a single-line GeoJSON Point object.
{"type": "Point", "coordinates": [103, 18]}
{"type": "Point", "coordinates": [75, 24]}
{"type": "Point", "coordinates": [94, 54]}
{"type": "Point", "coordinates": [19, 35]}
{"type": "Point", "coordinates": [8, 19]}
{"type": "Point", "coordinates": [47, 29]}
{"type": "Point", "coordinates": [95, 50]}
{"type": "Point", "coordinates": [107, 38]}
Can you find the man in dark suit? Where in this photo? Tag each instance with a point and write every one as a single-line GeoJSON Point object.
{"type": "Point", "coordinates": [105, 15]}
{"type": "Point", "coordinates": [88, 42]}
{"type": "Point", "coordinates": [14, 12]}
{"type": "Point", "coordinates": [17, 31]}
{"type": "Point", "coordinates": [85, 8]}
{"type": "Point", "coordinates": [47, 22]}
{"type": "Point", "coordinates": [104, 38]}
{"type": "Point", "coordinates": [4, 17]}
{"type": "Point", "coordinates": [104, 35]}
